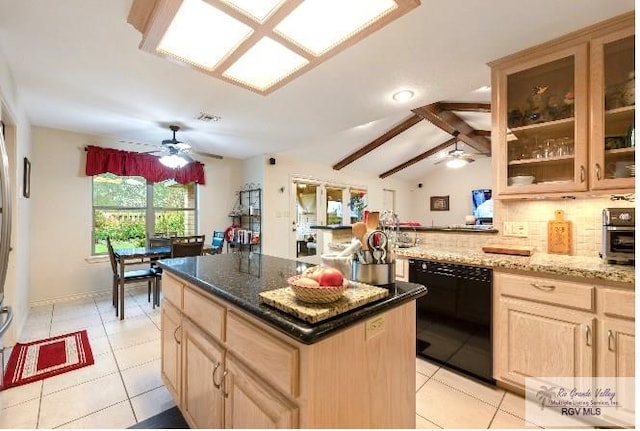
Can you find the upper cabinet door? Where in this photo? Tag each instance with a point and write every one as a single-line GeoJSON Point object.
{"type": "Point", "coordinates": [540, 117]}
{"type": "Point", "coordinates": [612, 89]}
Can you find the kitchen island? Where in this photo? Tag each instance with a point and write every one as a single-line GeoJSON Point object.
{"type": "Point", "coordinates": [231, 361]}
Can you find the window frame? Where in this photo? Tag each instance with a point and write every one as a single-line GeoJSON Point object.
{"type": "Point", "coordinates": [149, 209]}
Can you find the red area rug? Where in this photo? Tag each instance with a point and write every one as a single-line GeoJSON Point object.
{"type": "Point", "coordinates": [40, 359]}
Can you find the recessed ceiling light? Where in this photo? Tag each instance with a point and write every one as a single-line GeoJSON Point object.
{"type": "Point", "coordinates": [484, 88]}
{"type": "Point", "coordinates": [402, 96]}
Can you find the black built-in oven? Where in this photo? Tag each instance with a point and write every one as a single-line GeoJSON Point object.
{"type": "Point", "coordinates": [454, 319]}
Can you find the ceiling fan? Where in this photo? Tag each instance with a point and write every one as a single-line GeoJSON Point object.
{"type": "Point", "coordinates": [173, 150]}
{"type": "Point", "coordinates": [457, 157]}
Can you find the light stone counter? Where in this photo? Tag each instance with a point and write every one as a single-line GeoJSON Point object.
{"type": "Point", "coordinates": [554, 264]}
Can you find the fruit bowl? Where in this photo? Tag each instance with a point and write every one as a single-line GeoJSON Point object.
{"type": "Point", "coordinates": [316, 294]}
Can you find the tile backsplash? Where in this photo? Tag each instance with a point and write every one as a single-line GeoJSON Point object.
{"type": "Point", "coordinates": [585, 216]}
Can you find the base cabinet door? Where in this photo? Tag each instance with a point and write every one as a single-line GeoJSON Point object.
{"type": "Point", "coordinates": [203, 368]}
{"type": "Point", "coordinates": [170, 349]}
{"type": "Point", "coordinates": [537, 340]}
{"type": "Point", "coordinates": [617, 348]}
{"type": "Point", "coordinates": [252, 403]}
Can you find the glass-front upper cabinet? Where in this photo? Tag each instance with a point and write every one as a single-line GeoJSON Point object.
{"type": "Point", "coordinates": [613, 110]}
{"type": "Point", "coordinates": [540, 121]}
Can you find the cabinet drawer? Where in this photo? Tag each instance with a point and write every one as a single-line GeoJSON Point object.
{"type": "Point", "coordinates": [618, 303]}
{"type": "Point", "coordinates": [549, 290]}
{"type": "Point", "coordinates": [206, 313]}
{"type": "Point", "coordinates": [172, 289]}
{"type": "Point", "coordinates": [268, 356]}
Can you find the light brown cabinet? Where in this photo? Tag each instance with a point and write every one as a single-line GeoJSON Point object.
{"type": "Point", "coordinates": [171, 351]}
{"type": "Point", "coordinates": [203, 373]}
{"type": "Point", "coordinates": [250, 403]}
{"type": "Point", "coordinates": [562, 114]}
{"type": "Point", "coordinates": [554, 327]}
{"type": "Point", "coordinates": [227, 369]}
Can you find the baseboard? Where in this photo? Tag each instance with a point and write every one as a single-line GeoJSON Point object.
{"type": "Point", "coordinates": [70, 298]}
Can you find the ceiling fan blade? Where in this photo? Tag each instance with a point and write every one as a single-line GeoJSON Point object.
{"type": "Point", "coordinates": [187, 157]}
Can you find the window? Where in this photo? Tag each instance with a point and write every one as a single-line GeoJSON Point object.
{"type": "Point", "coordinates": [128, 209]}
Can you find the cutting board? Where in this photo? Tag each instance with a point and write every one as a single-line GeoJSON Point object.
{"type": "Point", "coordinates": [517, 250]}
{"type": "Point", "coordinates": [559, 234]}
{"type": "Point", "coordinates": [356, 295]}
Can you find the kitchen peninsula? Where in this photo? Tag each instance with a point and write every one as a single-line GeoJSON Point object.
{"type": "Point", "coordinates": [231, 361]}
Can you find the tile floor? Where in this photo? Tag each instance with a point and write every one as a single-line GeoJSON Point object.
{"type": "Point", "coordinates": [124, 387]}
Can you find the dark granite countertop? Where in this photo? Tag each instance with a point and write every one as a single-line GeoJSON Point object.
{"type": "Point", "coordinates": [452, 228]}
{"type": "Point", "coordinates": [238, 278]}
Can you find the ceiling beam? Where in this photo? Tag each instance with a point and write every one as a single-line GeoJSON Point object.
{"type": "Point", "coordinates": [451, 123]}
{"type": "Point", "coordinates": [418, 158]}
{"type": "Point", "coordinates": [485, 133]}
{"type": "Point", "coordinates": [465, 107]}
{"type": "Point", "coordinates": [407, 123]}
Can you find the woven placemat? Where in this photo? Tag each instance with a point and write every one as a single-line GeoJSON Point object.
{"type": "Point", "coordinates": [356, 295]}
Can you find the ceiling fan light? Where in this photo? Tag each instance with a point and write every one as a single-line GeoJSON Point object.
{"type": "Point", "coordinates": [456, 163]}
{"type": "Point", "coordinates": [173, 161]}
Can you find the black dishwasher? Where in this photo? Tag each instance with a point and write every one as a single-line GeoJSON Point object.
{"type": "Point", "coordinates": [454, 319]}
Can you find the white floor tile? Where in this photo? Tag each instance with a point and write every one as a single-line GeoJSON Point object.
{"type": "Point", "coordinates": [487, 393]}
{"type": "Point", "coordinates": [142, 378]}
{"type": "Point", "coordinates": [425, 367]}
{"type": "Point", "coordinates": [96, 330]}
{"type": "Point", "coordinates": [103, 365]}
{"type": "Point", "coordinates": [33, 333]}
{"type": "Point", "coordinates": [20, 416]}
{"type": "Point", "coordinates": [123, 339]}
{"type": "Point", "coordinates": [421, 379]}
{"type": "Point", "coordinates": [506, 420]}
{"type": "Point", "coordinates": [135, 322]}
{"type": "Point", "coordinates": [151, 403]}
{"type": "Point", "coordinates": [117, 416]}
{"type": "Point", "coordinates": [99, 345]}
{"type": "Point", "coordinates": [138, 354]}
{"type": "Point", "coordinates": [422, 423]}
{"type": "Point", "coordinates": [78, 401]}
{"type": "Point", "coordinates": [450, 408]}
{"type": "Point", "coordinates": [20, 394]}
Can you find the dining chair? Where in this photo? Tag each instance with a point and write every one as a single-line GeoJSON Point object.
{"type": "Point", "coordinates": [151, 275]}
{"type": "Point", "coordinates": [182, 246]}
{"type": "Point", "coordinates": [216, 242]}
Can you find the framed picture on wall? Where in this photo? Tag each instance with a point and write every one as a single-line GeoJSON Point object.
{"type": "Point", "coordinates": [439, 203]}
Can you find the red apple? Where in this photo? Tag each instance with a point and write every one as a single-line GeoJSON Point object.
{"type": "Point", "coordinates": [330, 277]}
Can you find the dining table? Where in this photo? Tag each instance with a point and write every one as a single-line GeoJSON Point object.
{"type": "Point", "coordinates": [135, 256]}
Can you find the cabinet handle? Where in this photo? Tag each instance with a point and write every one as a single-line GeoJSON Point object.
{"type": "Point", "coordinates": [610, 338]}
{"type": "Point", "coordinates": [582, 174]}
{"type": "Point", "coordinates": [223, 381]}
{"type": "Point", "coordinates": [598, 171]}
{"type": "Point", "coordinates": [545, 287]}
{"type": "Point", "coordinates": [213, 376]}
{"type": "Point", "coordinates": [587, 332]}
{"type": "Point", "coordinates": [174, 335]}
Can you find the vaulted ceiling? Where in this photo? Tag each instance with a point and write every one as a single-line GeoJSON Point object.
{"type": "Point", "coordinates": [76, 66]}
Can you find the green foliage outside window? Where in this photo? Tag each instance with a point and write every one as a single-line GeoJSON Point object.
{"type": "Point", "coordinates": [120, 208]}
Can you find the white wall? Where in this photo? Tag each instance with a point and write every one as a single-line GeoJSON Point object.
{"type": "Point", "coordinates": [276, 211]}
{"type": "Point", "coordinates": [18, 283]}
{"type": "Point", "coordinates": [61, 197]}
{"type": "Point", "coordinates": [455, 183]}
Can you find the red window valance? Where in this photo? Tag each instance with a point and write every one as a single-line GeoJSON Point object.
{"type": "Point", "coordinates": [126, 163]}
